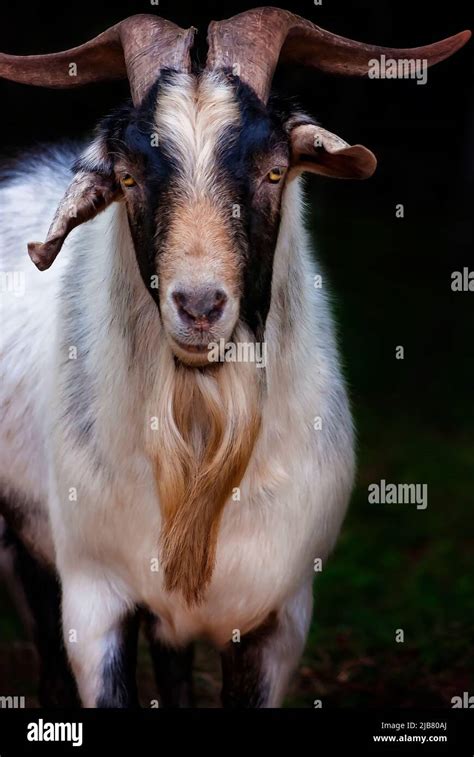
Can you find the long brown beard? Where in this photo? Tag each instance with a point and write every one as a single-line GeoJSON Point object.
{"type": "Point", "coordinates": [208, 421]}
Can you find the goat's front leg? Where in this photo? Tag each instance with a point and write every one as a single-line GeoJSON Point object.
{"type": "Point", "coordinates": [256, 669]}
{"type": "Point", "coordinates": [100, 633]}
{"type": "Point", "coordinates": [173, 668]}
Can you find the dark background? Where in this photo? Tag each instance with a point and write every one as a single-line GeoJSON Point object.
{"type": "Point", "coordinates": [395, 567]}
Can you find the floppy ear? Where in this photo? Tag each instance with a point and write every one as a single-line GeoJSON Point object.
{"type": "Point", "coordinates": [317, 150]}
{"type": "Point", "coordinates": [88, 194]}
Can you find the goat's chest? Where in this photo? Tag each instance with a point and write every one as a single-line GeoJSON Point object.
{"type": "Point", "coordinates": [271, 531]}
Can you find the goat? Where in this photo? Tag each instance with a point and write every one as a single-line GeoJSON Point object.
{"type": "Point", "coordinates": [146, 475]}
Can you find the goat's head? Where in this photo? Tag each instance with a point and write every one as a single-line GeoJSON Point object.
{"type": "Point", "coordinates": [201, 159]}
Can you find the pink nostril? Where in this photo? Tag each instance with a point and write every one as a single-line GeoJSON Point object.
{"type": "Point", "coordinates": [200, 306]}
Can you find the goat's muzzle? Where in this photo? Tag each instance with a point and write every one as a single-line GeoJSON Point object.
{"type": "Point", "coordinates": [196, 316]}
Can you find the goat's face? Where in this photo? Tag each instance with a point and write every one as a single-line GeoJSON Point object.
{"type": "Point", "coordinates": [202, 166]}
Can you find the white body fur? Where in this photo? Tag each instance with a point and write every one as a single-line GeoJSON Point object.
{"type": "Point", "coordinates": [294, 493]}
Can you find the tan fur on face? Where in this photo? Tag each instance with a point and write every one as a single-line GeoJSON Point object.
{"type": "Point", "coordinates": [199, 248]}
{"type": "Point", "coordinates": [208, 422]}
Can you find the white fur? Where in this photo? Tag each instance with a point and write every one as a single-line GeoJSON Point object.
{"type": "Point", "coordinates": [192, 122]}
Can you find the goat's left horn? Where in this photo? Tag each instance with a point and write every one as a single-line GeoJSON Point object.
{"type": "Point", "coordinates": [253, 42]}
{"type": "Point", "coordinates": [136, 48]}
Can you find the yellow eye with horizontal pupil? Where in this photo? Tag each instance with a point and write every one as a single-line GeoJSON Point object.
{"type": "Point", "coordinates": [128, 181]}
{"type": "Point", "coordinates": [275, 175]}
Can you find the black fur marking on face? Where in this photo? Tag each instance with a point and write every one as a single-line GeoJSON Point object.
{"type": "Point", "coordinates": [241, 157]}
{"type": "Point", "coordinates": [129, 136]}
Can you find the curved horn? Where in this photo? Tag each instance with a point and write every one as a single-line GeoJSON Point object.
{"type": "Point", "coordinates": [257, 39]}
{"type": "Point", "coordinates": [137, 48]}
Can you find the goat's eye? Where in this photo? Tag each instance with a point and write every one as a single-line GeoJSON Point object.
{"type": "Point", "coordinates": [275, 175]}
{"type": "Point", "coordinates": [128, 181]}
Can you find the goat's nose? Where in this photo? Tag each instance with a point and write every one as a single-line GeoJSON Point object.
{"type": "Point", "coordinates": [199, 306]}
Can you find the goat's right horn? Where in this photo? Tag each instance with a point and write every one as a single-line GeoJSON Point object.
{"type": "Point", "coordinates": [137, 48]}
{"type": "Point", "coordinates": [257, 40]}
